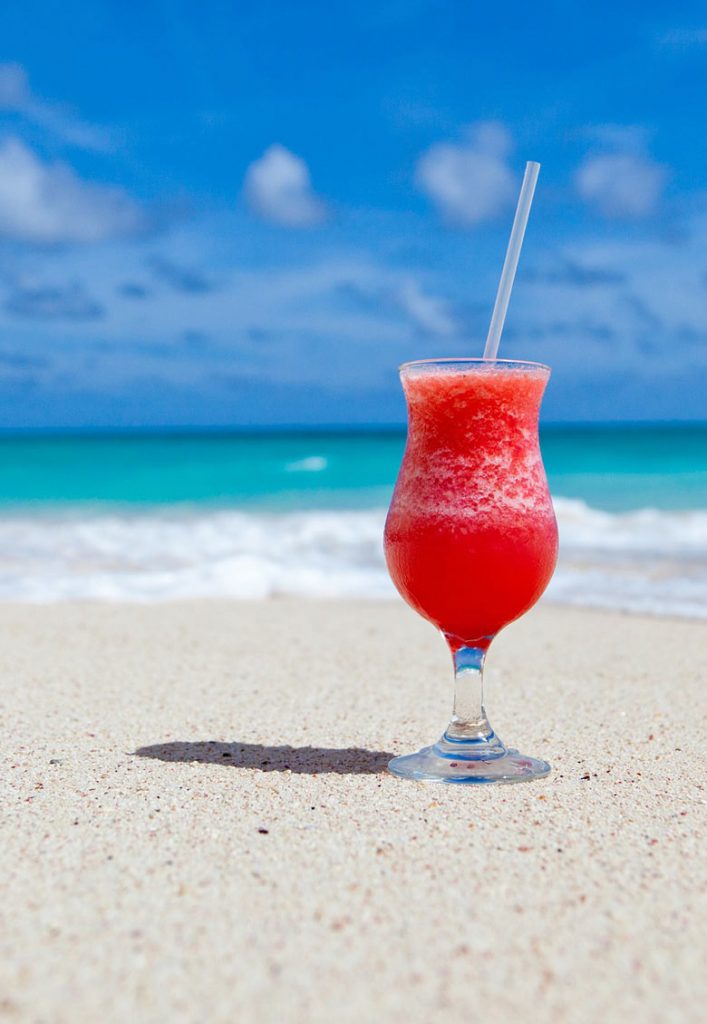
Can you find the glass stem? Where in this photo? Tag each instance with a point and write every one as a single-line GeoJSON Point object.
{"type": "Point", "coordinates": [469, 724]}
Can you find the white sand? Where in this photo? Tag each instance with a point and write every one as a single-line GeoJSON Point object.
{"type": "Point", "coordinates": [306, 885]}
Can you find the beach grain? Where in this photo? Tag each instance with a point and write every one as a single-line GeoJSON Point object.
{"type": "Point", "coordinates": [197, 824]}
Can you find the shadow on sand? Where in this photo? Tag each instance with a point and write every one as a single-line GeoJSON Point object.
{"type": "Point", "coordinates": [299, 760]}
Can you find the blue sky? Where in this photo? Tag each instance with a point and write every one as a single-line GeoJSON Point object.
{"type": "Point", "coordinates": [251, 213]}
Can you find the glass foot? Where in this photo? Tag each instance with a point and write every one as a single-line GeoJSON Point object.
{"type": "Point", "coordinates": [463, 762]}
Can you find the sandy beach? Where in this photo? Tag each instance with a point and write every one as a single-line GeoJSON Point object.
{"type": "Point", "coordinates": [198, 825]}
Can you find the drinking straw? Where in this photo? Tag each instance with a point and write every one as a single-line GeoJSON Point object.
{"type": "Point", "coordinates": [510, 264]}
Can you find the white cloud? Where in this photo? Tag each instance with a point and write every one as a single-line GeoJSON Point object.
{"type": "Point", "coordinates": [17, 97]}
{"type": "Point", "coordinates": [621, 185]}
{"type": "Point", "coordinates": [622, 182]}
{"type": "Point", "coordinates": [48, 203]}
{"type": "Point", "coordinates": [278, 187]}
{"type": "Point", "coordinates": [469, 182]}
{"type": "Point", "coordinates": [647, 316]}
{"type": "Point", "coordinates": [427, 311]}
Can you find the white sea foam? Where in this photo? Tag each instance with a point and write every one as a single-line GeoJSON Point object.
{"type": "Point", "coordinates": [647, 560]}
{"type": "Point", "coordinates": [172, 555]}
{"type": "Point", "coordinates": [312, 464]}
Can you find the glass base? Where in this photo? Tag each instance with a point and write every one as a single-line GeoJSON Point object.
{"type": "Point", "coordinates": [464, 762]}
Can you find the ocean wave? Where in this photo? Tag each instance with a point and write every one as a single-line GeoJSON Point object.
{"type": "Point", "coordinates": [648, 560]}
{"type": "Point", "coordinates": [673, 534]}
{"type": "Point", "coordinates": [173, 555]}
{"type": "Point", "coordinates": [310, 464]}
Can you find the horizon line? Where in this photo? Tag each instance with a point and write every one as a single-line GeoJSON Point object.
{"type": "Point", "coordinates": [269, 430]}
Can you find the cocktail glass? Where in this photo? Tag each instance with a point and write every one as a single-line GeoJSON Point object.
{"type": "Point", "coordinates": [471, 539]}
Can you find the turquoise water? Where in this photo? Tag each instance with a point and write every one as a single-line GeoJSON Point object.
{"type": "Point", "coordinates": [611, 468]}
{"type": "Point", "coordinates": [179, 517]}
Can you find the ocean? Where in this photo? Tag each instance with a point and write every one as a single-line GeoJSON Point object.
{"type": "Point", "coordinates": [161, 517]}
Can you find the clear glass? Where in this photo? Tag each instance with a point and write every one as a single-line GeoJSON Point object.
{"type": "Point", "coordinates": [471, 539]}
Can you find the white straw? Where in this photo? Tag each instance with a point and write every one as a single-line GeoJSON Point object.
{"type": "Point", "coordinates": [510, 264]}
